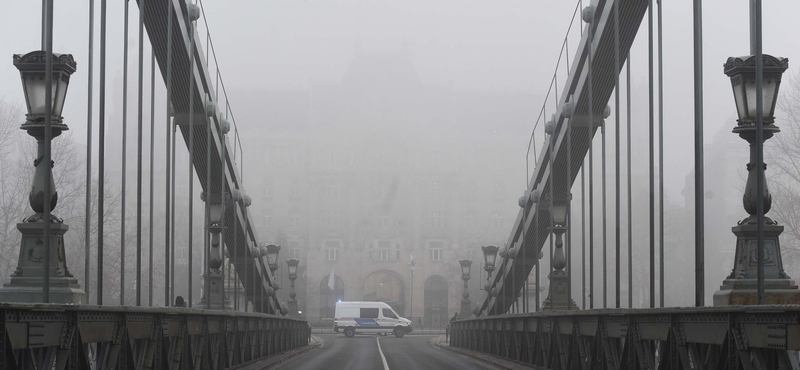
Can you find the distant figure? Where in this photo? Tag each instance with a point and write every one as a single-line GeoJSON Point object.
{"type": "Point", "coordinates": [447, 327]}
{"type": "Point", "coordinates": [179, 302]}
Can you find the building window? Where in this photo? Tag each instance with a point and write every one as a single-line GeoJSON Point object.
{"type": "Point", "coordinates": [294, 192]}
{"type": "Point", "coordinates": [331, 254]}
{"type": "Point", "coordinates": [385, 251]}
{"type": "Point", "coordinates": [436, 191]}
{"type": "Point", "coordinates": [439, 220]}
{"type": "Point", "coordinates": [267, 195]}
{"type": "Point", "coordinates": [435, 249]}
{"type": "Point", "coordinates": [383, 221]}
{"type": "Point", "coordinates": [498, 221]}
{"type": "Point", "coordinates": [436, 254]}
{"type": "Point", "coordinates": [332, 250]}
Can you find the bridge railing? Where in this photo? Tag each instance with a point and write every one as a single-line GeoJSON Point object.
{"type": "Point", "coordinates": [42, 336]}
{"type": "Point", "coordinates": [744, 337]}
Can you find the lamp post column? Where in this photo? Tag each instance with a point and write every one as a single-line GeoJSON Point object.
{"type": "Point", "coordinates": [465, 301]}
{"type": "Point", "coordinates": [740, 287]}
{"type": "Point", "coordinates": [292, 267]}
{"type": "Point", "coordinates": [27, 281]}
{"type": "Point", "coordinates": [558, 296]}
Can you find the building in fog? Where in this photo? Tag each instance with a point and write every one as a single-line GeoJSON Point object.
{"type": "Point", "coordinates": [357, 177]}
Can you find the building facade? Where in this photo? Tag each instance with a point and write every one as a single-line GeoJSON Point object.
{"type": "Point", "coordinates": [359, 178]}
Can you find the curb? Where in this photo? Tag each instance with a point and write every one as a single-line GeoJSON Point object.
{"type": "Point", "coordinates": [280, 358]}
{"type": "Point", "coordinates": [482, 357]}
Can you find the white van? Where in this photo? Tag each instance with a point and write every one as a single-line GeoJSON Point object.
{"type": "Point", "coordinates": [369, 317]}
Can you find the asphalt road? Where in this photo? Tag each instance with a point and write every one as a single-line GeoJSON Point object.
{"type": "Point", "coordinates": [379, 353]}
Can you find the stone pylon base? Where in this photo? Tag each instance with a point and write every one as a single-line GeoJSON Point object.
{"type": "Point", "coordinates": [740, 288]}
{"type": "Point", "coordinates": [28, 278]}
{"type": "Point", "coordinates": [466, 309]}
{"type": "Point", "coordinates": [557, 298]}
{"type": "Point", "coordinates": [219, 300]}
{"type": "Point", "coordinates": [292, 304]}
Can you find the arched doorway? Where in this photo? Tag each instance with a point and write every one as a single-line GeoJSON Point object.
{"type": "Point", "coordinates": [385, 286]}
{"type": "Point", "coordinates": [436, 312]}
{"type": "Point", "coordinates": [328, 297]}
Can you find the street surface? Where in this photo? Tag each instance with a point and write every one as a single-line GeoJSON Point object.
{"type": "Point", "coordinates": [374, 352]}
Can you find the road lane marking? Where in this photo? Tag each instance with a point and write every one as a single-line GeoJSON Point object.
{"type": "Point", "coordinates": [383, 358]}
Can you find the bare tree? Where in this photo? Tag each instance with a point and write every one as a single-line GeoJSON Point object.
{"type": "Point", "coordinates": [783, 155]}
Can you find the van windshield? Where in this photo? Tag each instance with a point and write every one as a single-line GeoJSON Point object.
{"type": "Point", "coordinates": [389, 313]}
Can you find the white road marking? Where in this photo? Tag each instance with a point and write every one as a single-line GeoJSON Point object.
{"type": "Point", "coordinates": [383, 358]}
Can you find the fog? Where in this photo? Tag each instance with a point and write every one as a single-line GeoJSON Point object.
{"type": "Point", "coordinates": [419, 112]}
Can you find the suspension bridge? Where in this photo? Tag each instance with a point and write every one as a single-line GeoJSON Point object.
{"type": "Point", "coordinates": [51, 319]}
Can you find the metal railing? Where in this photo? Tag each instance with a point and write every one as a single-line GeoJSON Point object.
{"type": "Point", "coordinates": [743, 337]}
{"type": "Point", "coordinates": [48, 336]}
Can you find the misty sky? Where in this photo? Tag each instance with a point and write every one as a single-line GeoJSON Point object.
{"type": "Point", "coordinates": [475, 45]}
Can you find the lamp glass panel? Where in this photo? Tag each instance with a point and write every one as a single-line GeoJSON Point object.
{"type": "Point", "coordinates": [768, 87]}
{"type": "Point", "coordinates": [492, 257]}
{"type": "Point", "coordinates": [35, 90]}
{"type": "Point", "coordinates": [560, 214]}
{"type": "Point", "coordinates": [738, 95]}
{"type": "Point", "coordinates": [292, 269]}
{"type": "Point", "coordinates": [61, 94]}
{"type": "Point", "coordinates": [770, 93]}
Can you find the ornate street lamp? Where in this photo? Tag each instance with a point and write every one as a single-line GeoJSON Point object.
{"type": "Point", "coordinates": [272, 256]}
{"type": "Point", "coordinates": [740, 287]}
{"type": "Point", "coordinates": [489, 258]}
{"type": "Point", "coordinates": [291, 265]}
{"type": "Point", "coordinates": [557, 297]}
{"type": "Point", "coordinates": [466, 266]}
{"type": "Point", "coordinates": [28, 278]}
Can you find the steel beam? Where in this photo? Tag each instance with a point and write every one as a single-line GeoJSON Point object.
{"type": "Point", "coordinates": [535, 217]}
{"type": "Point", "coordinates": [257, 278]}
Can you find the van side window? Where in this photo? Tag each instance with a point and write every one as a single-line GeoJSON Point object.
{"type": "Point", "coordinates": [369, 313]}
{"type": "Point", "coordinates": [388, 313]}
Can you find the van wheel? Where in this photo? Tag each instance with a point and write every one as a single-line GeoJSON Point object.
{"type": "Point", "coordinates": [349, 332]}
{"type": "Point", "coordinates": [399, 333]}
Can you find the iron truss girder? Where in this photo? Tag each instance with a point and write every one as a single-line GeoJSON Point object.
{"type": "Point", "coordinates": [744, 337]}
{"type": "Point", "coordinates": [60, 337]}
{"type": "Point", "coordinates": [239, 227]}
{"type": "Point", "coordinates": [535, 218]}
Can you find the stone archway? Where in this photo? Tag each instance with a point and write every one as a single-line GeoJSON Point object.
{"type": "Point", "coordinates": [435, 300]}
{"type": "Point", "coordinates": [386, 286]}
{"type": "Point", "coordinates": [328, 297]}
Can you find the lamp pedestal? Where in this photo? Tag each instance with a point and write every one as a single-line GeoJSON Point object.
{"type": "Point", "coordinates": [466, 304]}
{"type": "Point", "coordinates": [26, 281]}
{"type": "Point", "coordinates": [218, 300]}
{"type": "Point", "coordinates": [292, 303]}
{"type": "Point", "coordinates": [557, 297]}
{"type": "Point", "coordinates": [740, 287]}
